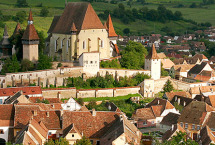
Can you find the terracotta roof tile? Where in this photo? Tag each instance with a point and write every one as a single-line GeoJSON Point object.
{"type": "Point", "coordinates": [24, 113]}
{"type": "Point", "coordinates": [143, 114]}
{"type": "Point", "coordinates": [7, 115]}
{"type": "Point", "coordinates": [171, 95]}
{"type": "Point", "coordinates": [30, 17]}
{"type": "Point", "coordinates": [212, 100]}
{"type": "Point", "coordinates": [73, 28]}
{"type": "Point", "coordinates": [170, 119]}
{"type": "Point", "coordinates": [26, 90]}
{"type": "Point", "coordinates": [111, 31]}
{"type": "Point", "coordinates": [30, 33]}
{"type": "Point", "coordinates": [91, 126]}
{"type": "Point", "coordinates": [79, 13]}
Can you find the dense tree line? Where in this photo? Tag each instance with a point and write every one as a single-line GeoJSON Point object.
{"type": "Point", "coordinates": [130, 15]}
{"type": "Point", "coordinates": [106, 82]}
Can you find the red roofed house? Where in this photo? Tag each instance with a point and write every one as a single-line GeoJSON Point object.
{"type": "Point", "coordinates": [193, 117]}
{"type": "Point", "coordinates": [101, 127]}
{"type": "Point", "coordinates": [80, 30]}
{"type": "Point", "coordinates": [32, 91]}
{"type": "Point", "coordinates": [153, 113]}
{"type": "Point", "coordinates": [30, 41]}
{"type": "Point", "coordinates": [6, 123]}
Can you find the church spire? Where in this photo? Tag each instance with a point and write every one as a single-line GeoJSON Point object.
{"type": "Point", "coordinates": [30, 18]}
{"type": "Point", "coordinates": [17, 29]}
{"type": "Point", "coordinates": [5, 35]}
{"type": "Point", "coordinates": [153, 53]}
{"type": "Point", "coordinates": [109, 25]}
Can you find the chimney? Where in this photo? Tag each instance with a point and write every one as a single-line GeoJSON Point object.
{"type": "Point", "coordinates": [184, 103]}
{"type": "Point", "coordinates": [158, 102]}
{"type": "Point", "coordinates": [93, 112]}
{"type": "Point", "coordinates": [35, 112]}
{"type": "Point", "coordinates": [47, 114]}
{"type": "Point", "coordinates": [59, 95]}
{"type": "Point", "coordinates": [172, 127]}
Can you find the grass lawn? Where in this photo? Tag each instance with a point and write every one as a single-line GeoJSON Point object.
{"type": "Point", "coordinates": [111, 98]}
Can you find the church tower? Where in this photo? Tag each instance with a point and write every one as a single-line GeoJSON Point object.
{"type": "Point", "coordinates": [30, 41]}
{"type": "Point", "coordinates": [153, 63]}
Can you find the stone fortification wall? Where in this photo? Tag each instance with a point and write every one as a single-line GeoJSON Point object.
{"type": "Point", "coordinates": [180, 85]}
{"type": "Point", "coordinates": [87, 93]}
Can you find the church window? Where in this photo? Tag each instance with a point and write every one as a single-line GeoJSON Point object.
{"type": "Point", "coordinates": [84, 45]}
{"type": "Point", "coordinates": [62, 44]}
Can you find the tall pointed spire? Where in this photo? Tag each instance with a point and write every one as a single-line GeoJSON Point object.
{"type": "Point", "coordinates": [110, 27]}
{"type": "Point", "coordinates": [73, 28]}
{"type": "Point", "coordinates": [153, 53]}
{"type": "Point", "coordinates": [17, 29]}
{"type": "Point", "coordinates": [5, 32]}
{"type": "Point", "coordinates": [30, 18]}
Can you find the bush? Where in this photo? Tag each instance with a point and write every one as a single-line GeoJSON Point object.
{"type": "Point", "coordinates": [92, 104]}
{"type": "Point", "coordinates": [21, 3]}
{"type": "Point", "coordinates": [80, 101]}
{"type": "Point", "coordinates": [44, 12]}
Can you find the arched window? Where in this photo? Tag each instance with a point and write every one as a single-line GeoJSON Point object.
{"type": "Point", "coordinates": [55, 45]}
{"type": "Point", "coordinates": [102, 44]}
{"type": "Point", "coordinates": [67, 46]}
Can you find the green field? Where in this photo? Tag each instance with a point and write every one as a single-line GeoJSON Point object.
{"type": "Point", "coordinates": [205, 14]}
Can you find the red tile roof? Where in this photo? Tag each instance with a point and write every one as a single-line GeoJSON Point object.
{"type": "Point", "coordinates": [24, 113]}
{"type": "Point", "coordinates": [30, 17]}
{"type": "Point", "coordinates": [111, 31]}
{"type": "Point", "coordinates": [81, 14]}
{"type": "Point", "coordinates": [91, 126]}
{"type": "Point", "coordinates": [153, 53]}
{"type": "Point", "coordinates": [26, 90]}
{"type": "Point", "coordinates": [30, 33]}
{"type": "Point", "coordinates": [7, 115]}
{"type": "Point", "coordinates": [17, 29]}
{"type": "Point", "coordinates": [143, 114]}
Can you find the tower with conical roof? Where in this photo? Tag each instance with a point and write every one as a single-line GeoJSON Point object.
{"type": "Point", "coordinates": [112, 37]}
{"type": "Point", "coordinates": [5, 45]}
{"type": "Point", "coordinates": [30, 41]}
{"type": "Point", "coordinates": [153, 63]}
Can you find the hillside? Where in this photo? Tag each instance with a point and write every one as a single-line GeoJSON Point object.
{"type": "Point", "coordinates": [138, 27]}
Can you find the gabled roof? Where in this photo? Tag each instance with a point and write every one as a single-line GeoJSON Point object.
{"type": "Point", "coordinates": [170, 119]}
{"type": "Point", "coordinates": [200, 56]}
{"type": "Point", "coordinates": [26, 90]}
{"type": "Point", "coordinates": [143, 114]}
{"type": "Point", "coordinates": [81, 14]}
{"type": "Point", "coordinates": [198, 68]}
{"type": "Point", "coordinates": [161, 55]}
{"type": "Point", "coordinates": [111, 31]}
{"type": "Point", "coordinates": [7, 115]}
{"type": "Point", "coordinates": [167, 63]}
{"type": "Point", "coordinates": [91, 126]}
{"type": "Point", "coordinates": [25, 112]}
{"type": "Point", "coordinates": [153, 53]}
{"type": "Point", "coordinates": [70, 129]}
{"type": "Point", "coordinates": [53, 24]}
{"type": "Point", "coordinates": [206, 136]}
{"type": "Point", "coordinates": [169, 133]}
{"type": "Point", "coordinates": [195, 112]}
{"type": "Point", "coordinates": [171, 95]}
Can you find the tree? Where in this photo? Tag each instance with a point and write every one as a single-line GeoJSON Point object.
{"type": "Point", "coordinates": [44, 12]}
{"type": "Point", "coordinates": [193, 5]}
{"type": "Point", "coordinates": [11, 65]}
{"type": "Point", "coordinates": [44, 62]}
{"type": "Point", "coordinates": [80, 101]}
{"type": "Point", "coordinates": [21, 3]}
{"type": "Point", "coordinates": [26, 65]}
{"type": "Point", "coordinates": [126, 31]}
{"type": "Point", "coordinates": [20, 16]}
{"type": "Point", "coordinates": [168, 87]}
{"type": "Point", "coordinates": [83, 141]}
{"type": "Point", "coordinates": [163, 71]}
{"type": "Point", "coordinates": [61, 141]}
{"type": "Point", "coordinates": [181, 139]}
{"type": "Point", "coordinates": [92, 104]}
{"type": "Point", "coordinates": [133, 56]}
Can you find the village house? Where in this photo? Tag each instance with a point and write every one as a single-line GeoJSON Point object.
{"type": "Point", "coordinates": [83, 32]}
{"type": "Point", "coordinates": [31, 91]}
{"type": "Point", "coordinates": [167, 64]}
{"type": "Point", "coordinates": [169, 121]}
{"type": "Point", "coordinates": [6, 123]}
{"type": "Point", "coordinates": [153, 113]}
{"type": "Point", "coordinates": [198, 68]}
{"type": "Point", "coordinates": [180, 71]}
{"type": "Point", "coordinates": [207, 136]}
{"type": "Point", "coordinates": [170, 95]}
{"type": "Point", "coordinates": [193, 118]}
{"type": "Point", "coordinates": [202, 90]}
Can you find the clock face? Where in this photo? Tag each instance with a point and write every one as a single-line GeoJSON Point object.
{"type": "Point", "coordinates": [30, 22]}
